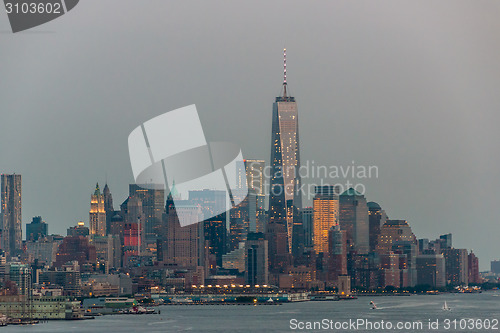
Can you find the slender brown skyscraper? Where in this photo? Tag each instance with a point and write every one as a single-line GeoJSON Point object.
{"type": "Point", "coordinates": [285, 162]}
{"type": "Point", "coordinates": [11, 214]}
{"type": "Point", "coordinates": [108, 207]}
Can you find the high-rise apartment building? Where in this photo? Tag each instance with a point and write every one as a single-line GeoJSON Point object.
{"type": "Point", "coordinates": [11, 240]}
{"type": "Point", "coordinates": [97, 214]}
{"type": "Point", "coordinates": [457, 268]}
{"type": "Point", "coordinates": [473, 266]}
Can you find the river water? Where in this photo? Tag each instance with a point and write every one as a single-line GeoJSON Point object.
{"type": "Point", "coordinates": [472, 312]}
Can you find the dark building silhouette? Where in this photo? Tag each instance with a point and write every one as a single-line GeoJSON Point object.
{"type": "Point", "coordinates": [353, 218]}
{"type": "Point", "coordinates": [495, 266]}
{"type": "Point", "coordinates": [36, 229]}
{"type": "Point", "coordinates": [376, 219]}
{"type": "Point", "coordinates": [307, 222]}
{"type": "Point", "coordinates": [337, 254]}
{"type": "Point", "coordinates": [256, 259]}
{"type": "Point", "coordinates": [216, 235]}
{"type": "Point", "coordinates": [108, 207]}
{"type": "Point", "coordinates": [431, 270]}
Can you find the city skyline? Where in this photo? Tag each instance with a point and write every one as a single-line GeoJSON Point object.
{"type": "Point", "coordinates": [419, 109]}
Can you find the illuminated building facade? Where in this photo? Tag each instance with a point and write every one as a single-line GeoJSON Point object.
{"type": "Point", "coordinates": [325, 216]}
{"type": "Point", "coordinates": [395, 231]}
{"type": "Point", "coordinates": [284, 178]}
{"type": "Point", "coordinates": [97, 214]}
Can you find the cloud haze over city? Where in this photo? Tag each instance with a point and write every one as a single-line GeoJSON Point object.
{"type": "Point", "coordinates": [411, 88]}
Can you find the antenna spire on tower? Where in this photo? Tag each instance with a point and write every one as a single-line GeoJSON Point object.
{"type": "Point", "coordinates": [284, 73]}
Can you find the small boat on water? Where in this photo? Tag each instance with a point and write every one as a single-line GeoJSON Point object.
{"type": "Point", "coordinates": [374, 306]}
{"type": "Point", "coordinates": [446, 307]}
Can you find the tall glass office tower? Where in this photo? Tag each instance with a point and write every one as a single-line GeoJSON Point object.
{"type": "Point", "coordinates": [284, 197]}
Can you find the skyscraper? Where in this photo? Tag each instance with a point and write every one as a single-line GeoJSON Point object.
{"type": "Point", "coordinates": [256, 265]}
{"type": "Point", "coordinates": [431, 270]}
{"type": "Point", "coordinates": [353, 219]}
{"type": "Point", "coordinates": [376, 219]}
{"type": "Point", "coordinates": [254, 172]}
{"type": "Point", "coordinates": [97, 214]}
{"type": "Point", "coordinates": [337, 253]}
{"type": "Point", "coordinates": [183, 246]}
{"type": "Point", "coordinates": [153, 203]}
{"type": "Point", "coordinates": [11, 212]}
{"type": "Point", "coordinates": [307, 222]}
{"type": "Point", "coordinates": [457, 266]}
{"type": "Point", "coordinates": [394, 231]}
{"type": "Point", "coordinates": [108, 207]}
{"type": "Point", "coordinates": [325, 216]}
{"type": "Point", "coordinates": [285, 163]}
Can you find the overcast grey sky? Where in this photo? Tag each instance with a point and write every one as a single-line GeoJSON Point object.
{"type": "Point", "coordinates": [411, 87]}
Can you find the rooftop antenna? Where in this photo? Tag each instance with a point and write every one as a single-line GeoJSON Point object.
{"type": "Point", "coordinates": [284, 73]}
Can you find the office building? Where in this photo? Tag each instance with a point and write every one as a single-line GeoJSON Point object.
{"type": "Point", "coordinates": [285, 179]}
{"type": "Point", "coordinates": [97, 214]}
{"type": "Point", "coordinates": [376, 219]}
{"type": "Point", "coordinates": [325, 216]}
{"type": "Point", "coordinates": [307, 222]}
{"type": "Point", "coordinates": [431, 270]}
{"type": "Point", "coordinates": [216, 235]}
{"type": "Point", "coordinates": [353, 218]}
{"type": "Point", "coordinates": [394, 231]}
{"type": "Point", "coordinates": [184, 246]}
{"type": "Point", "coordinates": [79, 230]}
{"type": "Point", "coordinates": [256, 259]}
{"type": "Point", "coordinates": [20, 274]}
{"type": "Point", "coordinates": [108, 207]}
{"type": "Point", "coordinates": [253, 172]}
{"type": "Point", "coordinates": [337, 254]}
{"type": "Point", "coordinates": [36, 229]}
{"type": "Point", "coordinates": [75, 248]}
{"type": "Point", "coordinates": [153, 204]}
{"type": "Point", "coordinates": [495, 266]}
